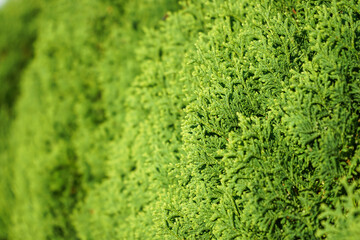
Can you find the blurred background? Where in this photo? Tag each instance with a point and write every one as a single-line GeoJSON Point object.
{"type": "Point", "coordinates": [2, 2]}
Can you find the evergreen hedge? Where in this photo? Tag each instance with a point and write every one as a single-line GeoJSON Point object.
{"type": "Point", "coordinates": [17, 34]}
{"type": "Point", "coordinates": [201, 120]}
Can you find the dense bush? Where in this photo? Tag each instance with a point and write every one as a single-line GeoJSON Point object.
{"type": "Point", "coordinates": [17, 34]}
{"type": "Point", "coordinates": [209, 120]}
{"type": "Point", "coordinates": [70, 109]}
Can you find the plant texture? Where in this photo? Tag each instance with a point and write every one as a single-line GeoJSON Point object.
{"type": "Point", "coordinates": [152, 119]}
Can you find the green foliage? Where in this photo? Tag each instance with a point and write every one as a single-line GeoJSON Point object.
{"type": "Point", "coordinates": [6, 175]}
{"type": "Point", "coordinates": [17, 33]}
{"type": "Point", "coordinates": [71, 95]}
{"type": "Point", "coordinates": [273, 123]}
{"type": "Point", "coordinates": [141, 160]}
{"type": "Point", "coordinates": [219, 120]}
{"type": "Point", "coordinates": [342, 220]}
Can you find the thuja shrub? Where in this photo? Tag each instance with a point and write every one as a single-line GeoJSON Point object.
{"type": "Point", "coordinates": [18, 23]}
{"type": "Point", "coordinates": [129, 204]}
{"type": "Point", "coordinates": [241, 130]}
{"type": "Point", "coordinates": [341, 221]}
{"type": "Point", "coordinates": [222, 120]}
{"type": "Point", "coordinates": [48, 180]}
{"type": "Point", "coordinates": [5, 179]}
{"type": "Point", "coordinates": [71, 108]}
{"type": "Point", "coordinates": [273, 124]}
